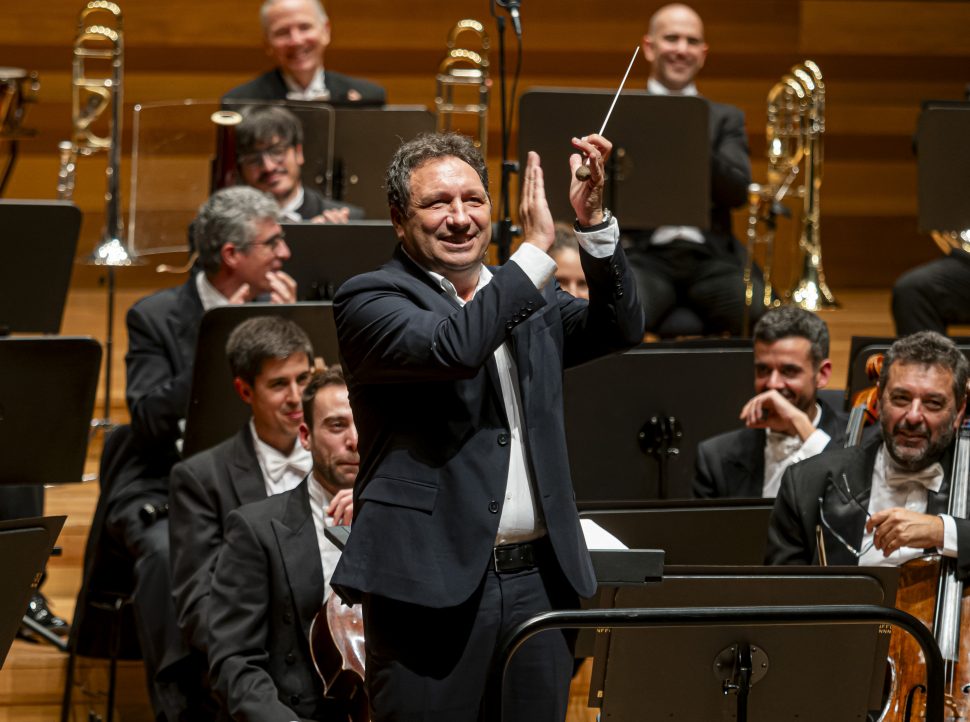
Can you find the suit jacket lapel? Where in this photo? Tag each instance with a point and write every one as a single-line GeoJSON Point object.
{"type": "Point", "coordinates": [845, 516]}
{"type": "Point", "coordinates": [939, 502]}
{"type": "Point", "coordinates": [745, 470]}
{"type": "Point", "coordinates": [296, 536]}
{"type": "Point", "coordinates": [244, 473]}
{"type": "Point", "coordinates": [183, 321]}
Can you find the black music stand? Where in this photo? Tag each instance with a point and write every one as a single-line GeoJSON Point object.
{"type": "Point", "coordinates": [325, 255]}
{"type": "Point", "coordinates": [735, 530]}
{"type": "Point", "coordinates": [660, 170]}
{"type": "Point", "coordinates": [25, 545]}
{"type": "Point", "coordinates": [40, 239]}
{"type": "Point", "coordinates": [832, 672]}
{"type": "Point", "coordinates": [317, 120]}
{"type": "Point", "coordinates": [215, 410]}
{"type": "Point", "coordinates": [943, 164]}
{"type": "Point", "coordinates": [47, 390]}
{"type": "Point", "coordinates": [633, 421]}
{"type": "Point", "coordinates": [364, 141]}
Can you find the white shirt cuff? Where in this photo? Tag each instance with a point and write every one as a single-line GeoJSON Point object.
{"type": "Point", "coordinates": [949, 536]}
{"type": "Point", "coordinates": [814, 445]}
{"type": "Point", "coordinates": [537, 264]}
{"type": "Point", "coordinates": [601, 243]}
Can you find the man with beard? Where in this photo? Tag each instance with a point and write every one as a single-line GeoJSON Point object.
{"type": "Point", "coordinates": [885, 502]}
{"type": "Point", "coordinates": [785, 421]}
{"type": "Point", "coordinates": [274, 571]}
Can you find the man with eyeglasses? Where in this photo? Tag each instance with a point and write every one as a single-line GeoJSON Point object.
{"type": "Point", "coordinates": [269, 155]}
{"type": "Point", "coordinates": [884, 503]}
{"type": "Point", "coordinates": [241, 253]}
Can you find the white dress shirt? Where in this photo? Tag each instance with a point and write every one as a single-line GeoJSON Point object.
{"type": "Point", "coordinates": [208, 294]}
{"type": "Point", "coordinates": [289, 212]}
{"type": "Point", "coordinates": [521, 519]}
{"type": "Point", "coordinates": [783, 450]}
{"type": "Point", "coordinates": [281, 472]}
{"type": "Point", "coordinates": [911, 495]}
{"type": "Point", "coordinates": [320, 499]}
{"type": "Point", "coordinates": [316, 90]}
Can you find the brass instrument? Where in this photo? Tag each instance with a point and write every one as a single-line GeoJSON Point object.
{"type": "Point", "coordinates": [101, 44]}
{"type": "Point", "coordinates": [464, 73]}
{"type": "Point", "coordinates": [949, 241]}
{"type": "Point", "coordinates": [17, 89]}
{"type": "Point", "coordinates": [796, 123]}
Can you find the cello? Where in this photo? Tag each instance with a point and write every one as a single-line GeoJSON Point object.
{"type": "Point", "coordinates": [337, 650]}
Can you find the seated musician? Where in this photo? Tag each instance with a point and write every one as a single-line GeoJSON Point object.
{"type": "Point", "coordinates": [269, 155]}
{"type": "Point", "coordinates": [785, 421]}
{"type": "Point", "coordinates": [274, 572]}
{"type": "Point", "coordinates": [885, 502]}
{"type": "Point", "coordinates": [297, 32]}
{"type": "Point", "coordinates": [569, 268]}
{"type": "Point", "coordinates": [241, 252]}
{"type": "Point", "coordinates": [271, 360]}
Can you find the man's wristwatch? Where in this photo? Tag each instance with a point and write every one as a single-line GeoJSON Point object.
{"type": "Point", "coordinates": [607, 219]}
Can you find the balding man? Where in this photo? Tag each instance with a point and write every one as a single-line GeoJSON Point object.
{"type": "Point", "coordinates": [684, 266]}
{"type": "Point", "coordinates": [297, 32]}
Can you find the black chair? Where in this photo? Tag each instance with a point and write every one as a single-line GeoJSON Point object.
{"type": "Point", "coordinates": [104, 599]}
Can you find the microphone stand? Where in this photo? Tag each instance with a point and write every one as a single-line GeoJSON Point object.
{"type": "Point", "coordinates": [505, 229]}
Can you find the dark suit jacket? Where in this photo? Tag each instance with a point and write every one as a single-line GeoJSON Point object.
{"type": "Point", "coordinates": [271, 86]}
{"type": "Point", "coordinates": [314, 203]}
{"type": "Point", "coordinates": [162, 333]}
{"type": "Point", "coordinates": [267, 587]}
{"type": "Point", "coordinates": [433, 434]}
{"type": "Point", "coordinates": [791, 531]}
{"type": "Point", "coordinates": [730, 178]}
{"type": "Point", "coordinates": [204, 489]}
{"type": "Point", "coordinates": [732, 464]}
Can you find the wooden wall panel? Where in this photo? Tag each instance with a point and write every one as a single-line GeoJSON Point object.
{"type": "Point", "coordinates": [880, 60]}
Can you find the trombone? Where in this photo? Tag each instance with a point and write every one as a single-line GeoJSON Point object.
{"type": "Point", "coordinates": [464, 73]}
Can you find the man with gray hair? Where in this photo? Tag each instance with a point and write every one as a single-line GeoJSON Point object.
{"type": "Point", "coordinates": [241, 251]}
{"type": "Point", "coordinates": [785, 421]}
{"type": "Point", "coordinates": [885, 502]}
{"type": "Point", "coordinates": [297, 32]}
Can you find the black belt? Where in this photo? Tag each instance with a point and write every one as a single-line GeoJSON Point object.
{"type": "Point", "coordinates": [518, 557]}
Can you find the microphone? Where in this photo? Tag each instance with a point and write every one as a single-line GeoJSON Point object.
{"type": "Point", "coordinates": [513, 7]}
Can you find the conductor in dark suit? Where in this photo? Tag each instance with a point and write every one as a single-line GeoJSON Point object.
{"type": "Point", "coordinates": [465, 521]}
{"type": "Point", "coordinates": [241, 252]}
{"type": "Point", "coordinates": [273, 574]}
{"type": "Point", "coordinates": [885, 502]}
{"type": "Point", "coordinates": [271, 362]}
{"type": "Point", "coordinates": [297, 32]}
{"type": "Point", "coordinates": [269, 157]}
{"type": "Point", "coordinates": [785, 421]}
{"type": "Point", "coordinates": [679, 266]}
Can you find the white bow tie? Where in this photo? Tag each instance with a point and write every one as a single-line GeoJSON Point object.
{"type": "Point", "coordinates": [781, 446]}
{"type": "Point", "coordinates": [277, 465]}
{"type": "Point", "coordinates": [897, 478]}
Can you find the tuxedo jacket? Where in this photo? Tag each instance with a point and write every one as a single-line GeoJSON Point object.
{"type": "Point", "coordinates": [732, 465]}
{"type": "Point", "coordinates": [730, 178]}
{"type": "Point", "coordinates": [791, 530]}
{"type": "Point", "coordinates": [163, 330]}
{"type": "Point", "coordinates": [271, 86]}
{"type": "Point", "coordinates": [433, 435]}
{"type": "Point", "coordinates": [315, 203]}
{"type": "Point", "coordinates": [203, 490]}
{"type": "Point", "coordinates": [266, 590]}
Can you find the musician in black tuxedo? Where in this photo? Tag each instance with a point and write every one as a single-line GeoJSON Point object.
{"type": "Point", "coordinates": [269, 156]}
{"type": "Point", "coordinates": [271, 360]}
{"type": "Point", "coordinates": [933, 295]}
{"type": "Point", "coordinates": [465, 519]}
{"type": "Point", "coordinates": [241, 252]}
{"type": "Point", "coordinates": [297, 32]}
{"type": "Point", "coordinates": [885, 502]}
{"type": "Point", "coordinates": [682, 266]}
{"type": "Point", "coordinates": [785, 422]}
{"type": "Point", "coordinates": [273, 573]}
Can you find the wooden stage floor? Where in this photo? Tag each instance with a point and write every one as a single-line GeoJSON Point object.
{"type": "Point", "coordinates": [32, 679]}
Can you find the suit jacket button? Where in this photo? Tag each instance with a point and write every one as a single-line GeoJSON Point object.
{"type": "Point", "coordinates": [509, 325]}
{"type": "Point", "coordinates": [503, 439]}
{"type": "Point", "coordinates": [290, 658]}
{"type": "Point", "coordinates": [294, 699]}
{"type": "Point", "coordinates": [493, 506]}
